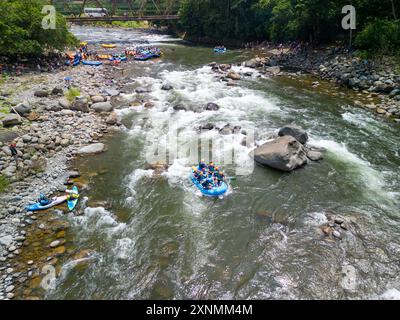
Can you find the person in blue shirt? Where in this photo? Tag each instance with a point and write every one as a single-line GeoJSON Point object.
{"type": "Point", "coordinates": [43, 200]}
{"type": "Point", "coordinates": [202, 165]}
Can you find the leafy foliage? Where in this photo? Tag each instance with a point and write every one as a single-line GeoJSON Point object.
{"type": "Point", "coordinates": [72, 93]}
{"type": "Point", "coordinates": [21, 31]}
{"type": "Point", "coordinates": [283, 20]}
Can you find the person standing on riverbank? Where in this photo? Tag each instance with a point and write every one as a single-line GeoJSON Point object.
{"type": "Point", "coordinates": [14, 152]}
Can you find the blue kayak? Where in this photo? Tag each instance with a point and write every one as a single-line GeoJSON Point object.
{"type": "Point", "coordinates": [213, 192]}
{"type": "Point", "coordinates": [73, 201]}
{"type": "Point", "coordinates": [54, 202]}
{"type": "Point", "coordinates": [92, 63]}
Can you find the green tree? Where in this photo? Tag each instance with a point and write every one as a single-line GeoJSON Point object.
{"type": "Point", "coordinates": [21, 31]}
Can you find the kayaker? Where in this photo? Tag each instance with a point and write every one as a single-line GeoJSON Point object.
{"type": "Point", "coordinates": [206, 184]}
{"type": "Point", "coordinates": [14, 152]}
{"type": "Point", "coordinates": [71, 194]}
{"type": "Point", "coordinates": [211, 167]}
{"type": "Point", "coordinates": [43, 200]}
{"type": "Point", "coordinates": [200, 176]}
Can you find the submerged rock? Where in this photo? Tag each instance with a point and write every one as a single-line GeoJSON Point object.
{"type": "Point", "coordinates": [284, 153]}
{"type": "Point", "coordinates": [93, 148]}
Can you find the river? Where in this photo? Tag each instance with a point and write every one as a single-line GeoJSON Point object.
{"type": "Point", "coordinates": [153, 236]}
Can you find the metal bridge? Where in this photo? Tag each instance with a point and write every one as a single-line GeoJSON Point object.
{"type": "Point", "coordinates": [118, 10]}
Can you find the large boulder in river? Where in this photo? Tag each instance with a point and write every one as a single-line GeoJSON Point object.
{"type": "Point", "coordinates": [295, 132]}
{"type": "Point", "coordinates": [284, 153]}
{"type": "Point", "coordinates": [92, 148]}
{"type": "Point", "coordinates": [102, 107]}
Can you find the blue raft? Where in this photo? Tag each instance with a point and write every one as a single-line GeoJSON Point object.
{"type": "Point", "coordinates": [92, 63]}
{"type": "Point", "coordinates": [219, 50]}
{"type": "Point", "coordinates": [213, 192]}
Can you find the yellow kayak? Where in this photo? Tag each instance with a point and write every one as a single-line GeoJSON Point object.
{"type": "Point", "coordinates": [108, 45]}
{"type": "Point", "coordinates": [84, 43]}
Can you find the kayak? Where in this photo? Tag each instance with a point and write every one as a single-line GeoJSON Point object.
{"type": "Point", "coordinates": [83, 43]}
{"type": "Point", "coordinates": [109, 45]}
{"type": "Point", "coordinates": [92, 63]}
{"type": "Point", "coordinates": [213, 192]}
{"type": "Point", "coordinates": [76, 62]}
{"type": "Point", "coordinates": [73, 202]}
{"type": "Point", "coordinates": [54, 202]}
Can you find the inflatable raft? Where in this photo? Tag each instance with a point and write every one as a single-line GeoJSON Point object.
{"type": "Point", "coordinates": [216, 191]}
{"type": "Point", "coordinates": [54, 202]}
{"type": "Point", "coordinates": [92, 63]}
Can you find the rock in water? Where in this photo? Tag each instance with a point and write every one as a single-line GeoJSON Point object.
{"type": "Point", "coordinates": [314, 155]}
{"type": "Point", "coordinates": [166, 87]}
{"type": "Point", "coordinates": [298, 133]}
{"type": "Point", "coordinates": [233, 75]}
{"type": "Point", "coordinates": [284, 153]}
{"type": "Point", "coordinates": [211, 107]}
{"type": "Point", "coordinates": [93, 148]}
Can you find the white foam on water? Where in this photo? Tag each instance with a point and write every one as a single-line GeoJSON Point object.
{"type": "Point", "coordinates": [137, 175]}
{"type": "Point", "coordinates": [372, 178]}
{"type": "Point", "coordinates": [98, 221]}
{"type": "Point", "coordinates": [391, 294]}
{"type": "Point", "coordinates": [123, 248]}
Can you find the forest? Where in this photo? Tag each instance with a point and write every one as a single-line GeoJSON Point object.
{"type": "Point", "coordinates": [313, 21]}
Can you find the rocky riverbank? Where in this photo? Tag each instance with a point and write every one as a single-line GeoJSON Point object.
{"type": "Point", "coordinates": [50, 125]}
{"type": "Point", "coordinates": [371, 80]}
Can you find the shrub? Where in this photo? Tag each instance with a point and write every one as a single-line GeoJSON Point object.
{"type": "Point", "coordinates": [380, 36]}
{"type": "Point", "coordinates": [4, 183]}
{"type": "Point", "coordinates": [72, 93]}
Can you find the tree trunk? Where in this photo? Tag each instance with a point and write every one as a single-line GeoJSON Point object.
{"type": "Point", "coordinates": [393, 10]}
